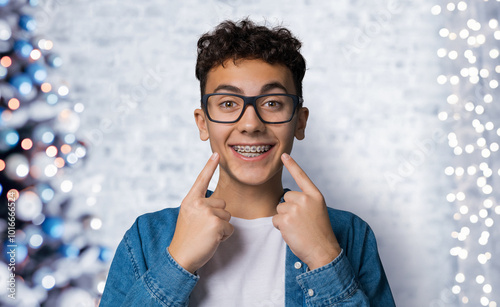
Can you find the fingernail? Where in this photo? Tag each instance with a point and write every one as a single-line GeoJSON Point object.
{"type": "Point", "coordinates": [214, 156]}
{"type": "Point", "coordinates": [285, 156]}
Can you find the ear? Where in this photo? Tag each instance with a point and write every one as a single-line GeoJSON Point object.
{"type": "Point", "coordinates": [300, 129]}
{"type": "Point", "coordinates": [201, 122]}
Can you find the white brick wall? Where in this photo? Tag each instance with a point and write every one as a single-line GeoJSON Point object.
{"type": "Point", "coordinates": [370, 87]}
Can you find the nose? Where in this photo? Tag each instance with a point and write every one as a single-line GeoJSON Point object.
{"type": "Point", "coordinates": [250, 122]}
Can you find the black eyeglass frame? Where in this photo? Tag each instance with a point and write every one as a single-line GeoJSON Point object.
{"type": "Point", "coordinates": [250, 100]}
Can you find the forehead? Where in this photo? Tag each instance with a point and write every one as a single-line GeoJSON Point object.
{"type": "Point", "coordinates": [250, 76]}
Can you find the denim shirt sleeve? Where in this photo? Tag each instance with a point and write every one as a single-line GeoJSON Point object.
{"type": "Point", "coordinates": [334, 284]}
{"type": "Point", "coordinates": [356, 277]}
{"type": "Point", "coordinates": [132, 281]}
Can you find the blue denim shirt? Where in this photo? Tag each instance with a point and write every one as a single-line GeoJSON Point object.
{"type": "Point", "coordinates": [144, 274]}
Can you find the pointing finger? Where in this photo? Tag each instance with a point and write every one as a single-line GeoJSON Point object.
{"type": "Point", "coordinates": [301, 178]}
{"type": "Point", "coordinates": [201, 184]}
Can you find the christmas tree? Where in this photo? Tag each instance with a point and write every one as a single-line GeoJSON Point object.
{"type": "Point", "coordinates": [48, 256]}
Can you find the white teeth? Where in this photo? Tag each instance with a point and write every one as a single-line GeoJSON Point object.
{"type": "Point", "coordinates": [249, 155]}
{"type": "Point", "coordinates": [251, 151]}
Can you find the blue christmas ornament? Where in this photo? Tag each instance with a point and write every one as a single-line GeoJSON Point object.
{"type": "Point", "coordinates": [22, 83]}
{"type": "Point", "coordinates": [8, 139]}
{"type": "Point", "coordinates": [12, 137]}
{"type": "Point", "coordinates": [23, 48]}
{"type": "Point", "coordinates": [3, 72]}
{"type": "Point", "coordinates": [44, 134]}
{"type": "Point", "coordinates": [69, 138]}
{"type": "Point", "coordinates": [69, 251]}
{"type": "Point", "coordinates": [14, 252]}
{"type": "Point", "coordinates": [54, 227]}
{"type": "Point", "coordinates": [54, 60]}
{"type": "Point", "coordinates": [105, 254]}
{"type": "Point", "coordinates": [28, 23]}
{"type": "Point", "coordinates": [51, 98]}
{"type": "Point", "coordinates": [37, 72]}
{"type": "Point", "coordinates": [45, 191]}
{"type": "Point", "coordinates": [2, 122]}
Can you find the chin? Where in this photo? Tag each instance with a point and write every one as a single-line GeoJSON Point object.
{"type": "Point", "coordinates": [253, 178]}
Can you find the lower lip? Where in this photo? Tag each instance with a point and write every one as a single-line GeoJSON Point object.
{"type": "Point", "coordinates": [253, 159]}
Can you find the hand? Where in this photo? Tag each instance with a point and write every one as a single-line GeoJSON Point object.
{"type": "Point", "coordinates": [202, 224]}
{"type": "Point", "coordinates": [303, 221]}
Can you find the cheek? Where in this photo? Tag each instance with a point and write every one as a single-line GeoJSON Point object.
{"type": "Point", "coordinates": [287, 137]}
{"type": "Point", "coordinates": [217, 136]}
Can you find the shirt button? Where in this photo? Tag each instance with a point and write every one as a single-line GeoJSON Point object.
{"type": "Point", "coordinates": [297, 265]}
{"type": "Point", "coordinates": [310, 292]}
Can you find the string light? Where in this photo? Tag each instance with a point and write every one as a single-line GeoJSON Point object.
{"type": "Point", "coordinates": [6, 61]}
{"type": "Point", "coordinates": [59, 162]}
{"type": "Point", "coordinates": [14, 104]}
{"type": "Point", "coordinates": [35, 54]}
{"type": "Point", "coordinates": [474, 141]}
{"type": "Point", "coordinates": [46, 87]}
{"type": "Point", "coordinates": [26, 144]}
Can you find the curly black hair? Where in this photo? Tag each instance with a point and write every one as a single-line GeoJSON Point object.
{"type": "Point", "coordinates": [246, 40]}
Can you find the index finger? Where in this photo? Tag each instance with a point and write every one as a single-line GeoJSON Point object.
{"type": "Point", "coordinates": [200, 186]}
{"type": "Point", "coordinates": [301, 178]}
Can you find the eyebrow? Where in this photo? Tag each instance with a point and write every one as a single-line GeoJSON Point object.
{"type": "Point", "coordinates": [227, 87]}
{"type": "Point", "coordinates": [273, 85]}
{"type": "Point", "coordinates": [264, 89]}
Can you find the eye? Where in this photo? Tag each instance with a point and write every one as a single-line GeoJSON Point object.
{"type": "Point", "coordinates": [227, 104]}
{"type": "Point", "coordinates": [272, 104]}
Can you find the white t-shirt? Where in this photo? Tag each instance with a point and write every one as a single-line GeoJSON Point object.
{"type": "Point", "coordinates": [248, 269]}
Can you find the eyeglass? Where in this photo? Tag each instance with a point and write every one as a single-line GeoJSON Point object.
{"type": "Point", "coordinates": [270, 108]}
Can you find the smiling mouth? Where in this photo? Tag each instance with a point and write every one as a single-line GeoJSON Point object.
{"type": "Point", "coordinates": [251, 151]}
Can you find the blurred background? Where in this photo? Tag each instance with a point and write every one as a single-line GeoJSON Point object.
{"type": "Point", "coordinates": [97, 128]}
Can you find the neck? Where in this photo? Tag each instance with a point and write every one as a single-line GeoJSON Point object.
{"type": "Point", "coordinates": [250, 201]}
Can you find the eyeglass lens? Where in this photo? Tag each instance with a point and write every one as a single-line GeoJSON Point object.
{"type": "Point", "coordinates": [271, 108]}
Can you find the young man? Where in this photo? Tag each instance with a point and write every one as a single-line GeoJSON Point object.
{"type": "Point", "coordinates": [250, 242]}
